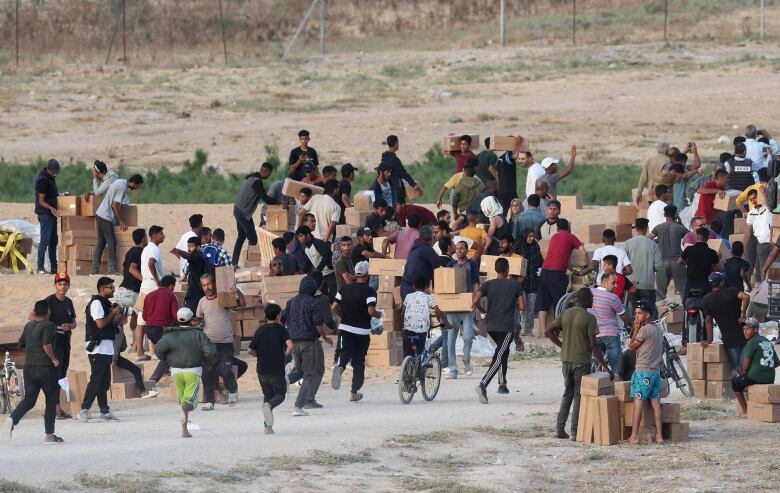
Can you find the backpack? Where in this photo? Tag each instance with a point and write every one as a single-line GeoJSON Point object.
{"type": "Point", "coordinates": [211, 252]}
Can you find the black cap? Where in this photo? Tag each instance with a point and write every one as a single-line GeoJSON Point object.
{"type": "Point", "coordinates": [644, 306]}
{"type": "Point", "coordinates": [303, 230]}
{"type": "Point", "coordinates": [347, 169]}
{"type": "Point", "coordinates": [101, 167]}
{"type": "Point", "coordinates": [365, 231]}
{"type": "Point", "coordinates": [53, 165]}
{"type": "Point", "coordinates": [383, 167]}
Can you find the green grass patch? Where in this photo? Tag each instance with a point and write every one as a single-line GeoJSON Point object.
{"type": "Point", "coordinates": [536, 351]}
{"type": "Point", "coordinates": [8, 486]}
{"type": "Point", "coordinates": [418, 439]}
{"type": "Point", "coordinates": [528, 431]}
{"type": "Point", "coordinates": [417, 483]}
{"type": "Point", "coordinates": [119, 483]}
{"type": "Point", "coordinates": [704, 410]}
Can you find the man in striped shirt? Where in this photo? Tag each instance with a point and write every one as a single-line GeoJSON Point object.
{"type": "Point", "coordinates": [607, 307]}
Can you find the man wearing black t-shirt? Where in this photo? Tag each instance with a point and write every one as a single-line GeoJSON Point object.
{"type": "Point", "coordinates": [345, 189]}
{"type": "Point", "coordinates": [507, 174]}
{"type": "Point", "coordinates": [302, 155]}
{"type": "Point", "coordinates": [196, 267]}
{"type": "Point", "coordinates": [356, 304]}
{"type": "Point", "coordinates": [364, 249]}
{"type": "Point", "coordinates": [63, 315]}
{"type": "Point", "coordinates": [127, 292]}
{"type": "Point", "coordinates": [699, 260]}
{"type": "Point", "coordinates": [727, 307]}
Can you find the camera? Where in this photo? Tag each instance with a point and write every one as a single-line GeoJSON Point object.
{"type": "Point", "coordinates": [123, 310]}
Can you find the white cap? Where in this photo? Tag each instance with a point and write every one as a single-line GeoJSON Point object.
{"type": "Point", "coordinates": [184, 315]}
{"type": "Point", "coordinates": [361, 268]}
{"type": "Point", "coordinates": [548, 161]}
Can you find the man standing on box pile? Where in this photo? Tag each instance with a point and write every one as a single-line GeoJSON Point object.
{"type": "Point", "coordinates": [109, 215]}
{"type": "Point", "coordinates": [399, 177]}
{"type": "Point", "coordinates": [99, 334]}
{"type": "Point", "coordinates": [185, 349]}
{"type": "Point", "coordinates": [579, 329]}
{"type": "Point", "coordinates": [250, 195]}
{"type": "Point", "coordinates": [356, 305]}
{"type": "Point", "coordinates": [759, 361]}
{"type": "Point", "coordinates": [46, 210]}
{"type": "Point", "coordinates": [647, 342]}
{"type": "Point", "coordinates": [306, 325]}
{"type": "Point", "coordinates": [504, 296]}
{"type": "Point", "coordinates": [40, 372]}
{"type": "Point", "coordinates": [102, 178]}
{"type": "Point", "coordinates": [219, 329]}
{"type": "Point", "coordinates": [63, 315]}
{"type": "Point", "coordinates": [727, 307]}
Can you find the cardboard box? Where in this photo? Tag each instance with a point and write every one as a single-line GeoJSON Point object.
{"type": "Point", "coordinates": [695, 352]}
{"type": "Point", "coordinates": [626, 213]}
{"type": "Point", "coordinates": [68, 205]}
{"type": "Point", "coordinates": [699, 388]}
{"type": "Point", "coordinates": [89, 207]}
{"type": "Point", "coordinates": [252, 288]}
{"type": "Point", "coordinates": [80, 223]}
{"type": "Point", "coordinates": [715, 353]}
{"type": "Point", "coordinates": [759, 411]}
{"type": "Point", "coordinates": [721, 248]}
{"type": "Point", "coordinates": [388, 284]}
{"type": "Point", "coordinates": [77, 385]}
{"type": "Point", "coordinates": [384, 301]}
{"type": "Point", "coordinates": [597, 384]}
{"type": "Point", "coordinates": [248, 275]}
{"type": "Point", "coordinates": [279, 219]}
{"type": "Point", "coordinates": [622, 231]}
{"type": "Point", "coordinates": [517, 265]}
{"type": "Point", "coordinates": [292, 188]}
{"type": "Point", "coordinates": [83, 267]}
{"type": "Point", "coordinates": [719, 389]}
{"type": "Point", "coordinates": [765, 394]}
{"type": "Point", "coordinates": [590, 233]}
{"type": "Point", "coordinates": [697, 370]}
{"type": "Point", "coordinates": [728, 202]}
{"type": "Point", "coordinates": [253, 252]}
{"type": "Point", "coordinates": [623, 391]}
{"type": "Point", "coordinates": [225, 279]}
{"type": "Point", "coordinates": [78, 236]}
{"type": "Point", "coordinates": [362, 203]}
{"type": "Point", "coordinates": [385, 357]}
{"type": "Point", "coordinates": [280, 299]}
{"type": "Point", "coordinates": [281, 284]}
{"type": "Point", "coordinates": [129, 214]}
{"type": "Point", "coordinates": [570, 202]}
{"type": "Point", "coordinates": [675, 432]}
{"type": "Point", "coordinates": [578, 259]}
{"type": "Point", "coordinates": [500, 143]}
{"type": "Point", "coordinates": [124, 390]}
{"type": "Point", "coordinates": [120, 375]}
{"type": "Point", "coordinates": [346, 230]}
{"type": "Point", "coordinates": [718, 371]}
{"type": "Point", "coordinates": [670, 411]}
{"type": "Point", "coordinates": [9, 335]}
{"type": "Point", "coordinates": [460, 302]}
{"type": "Point", "coordinates": [449, 280]}
{"type": "Point", "coordinates": [386, 267]}
{"type": "Point", "coordinates": [377, 242]}
{"type": "Point", "coordinates": [411, 192]}
{"type": "Point", "coordinates": [739, 226]}
{"type": "Point", "coordinates": [385, 340]}
{"type": "Point", "coordinates": [452, 142]}
{"type": "Point", "coordinates": [81, 251]}
{"type": "Point", "coordinates": [356, 218]}
{"type": "Point", "coordinates": [609, 416]}
{"type": "Point", "coordinates": [774, 271]}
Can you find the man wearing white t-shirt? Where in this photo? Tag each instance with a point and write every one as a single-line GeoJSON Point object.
{"type": "Point", "coordinates": [609, 248]}
{"type": "Point", "coordinates": [99, 333]}
{"type": "Point", "coordinates": [196, 224]}
{"type": "Point", "coordinates": [758, 224]}
{"type": "Point", "coordinates": [151, 274]}
{"type": "Point", "coordinates": [655, 213]}
{"type": "Point", "coordinates": [535, 171]}
{"type": "Point", "coordinates": [325, 210]}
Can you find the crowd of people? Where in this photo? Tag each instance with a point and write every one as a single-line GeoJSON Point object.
{"type": "Point", "coordinates": [339, 297]}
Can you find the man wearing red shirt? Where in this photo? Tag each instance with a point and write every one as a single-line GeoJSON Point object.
{"type": "Point", "coordinates": [160, 307]}
{"type": "Point", "coordinates": [462, 154]}
{"type": "Point", "coordinates": [426, 216]}
{"type": "Point", "coordinates": [552, 279]}
{"type": "Point", "coordinates": [707, 195]}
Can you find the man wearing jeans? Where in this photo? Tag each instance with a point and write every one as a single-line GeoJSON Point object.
{"type": "Point", "coordinates": [46, 209]}
{"type": "Point", "coordinates": [108, 215]}
{"type": "Point", "coordinates": [579, 329]}
{"type": "Point", "coordinates": [607, 307]}
{"type": "Point", "coordinates": [252, 192]}
{"type": "Point", "coordinates": [646, 260]}
{"type": "Point", "coordinates": [305, 324]}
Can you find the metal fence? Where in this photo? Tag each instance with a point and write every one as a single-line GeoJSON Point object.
{"type": "Point", "coordinates": [233, 30]}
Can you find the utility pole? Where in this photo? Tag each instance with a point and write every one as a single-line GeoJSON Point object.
{"type": "Point", "coordinates": [574, 22]}
{"type": "Point", "coordinates": [503, 23]}
{"type": "Point", "coordinates": [124, 33]}
{"type": "Point", "coordinates": [666, 16]}
{"type": "Point", "coordinates": [17, 33]}
{"type": "Point", "coordinates": [322, 27]}
{"type": "Point", "coordinates": [222, 23]}
{"type": "Point", "coordinates": [761, 17]}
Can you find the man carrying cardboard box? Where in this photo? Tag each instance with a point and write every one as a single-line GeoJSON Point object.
{"type": "Point", "coordinates": [46, 210]}
{"type": "Point", "coordinates": [647, 342]}
{"type": "Point", "coordinates": [250, 195]}
{"type": "Point", "coordinates": [757, 366]}
{"type": "Point", "coordinates": [108, 215]}
{"type": "Point", "coordinates": [707, 193]}
{"type": "Point", "coordinates": [579, 329]}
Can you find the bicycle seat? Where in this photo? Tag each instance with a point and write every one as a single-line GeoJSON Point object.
{"type": "Point", "coordinates": [695, 292]}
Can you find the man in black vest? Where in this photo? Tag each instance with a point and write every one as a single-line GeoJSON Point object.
{"type": "Point", "coordinates": [99, 335]}
{"type": "Point", "coordinates": [740, 169]}
{"type": "Point", "coordinates": [46, 210]}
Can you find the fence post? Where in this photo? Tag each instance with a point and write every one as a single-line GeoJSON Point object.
{"type": "Point", "coordinates": [222, 23]}
{"type": "Point", "coordinates": [666, 16]}
{"type": "Point", "coordinates": [761, 17]}
{"type": "Point", "coordinates": [124, 33]}
{"type": "Point", "coordinates": [17, 33]}
{"type": "Point", "coordinates": [503, 23]}
{"type": "Point", "coordinates": [574, 22]}
{"type": "Point", "coordinates": [322, 27]}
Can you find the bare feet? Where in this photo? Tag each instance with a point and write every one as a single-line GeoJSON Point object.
{"type": "Point", "coordinates": [185, 433]}
{"type": "Point", "coordinates": [659, 439]}
{"type": "Point", "coordinates": [633, 440]}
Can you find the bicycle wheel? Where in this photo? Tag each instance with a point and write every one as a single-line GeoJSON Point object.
{"type": "Point", "coordinates": [564, 303]}
{"type": "Point", "coordinates": [680, 375]}
{"type": "Point", "coordinates": [14, 388]}
{"type": "Point", "coordinates": [431, 378]}
{"type": "Point", "coordinates": [406, 383]}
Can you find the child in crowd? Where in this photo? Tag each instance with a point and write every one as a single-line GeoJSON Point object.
{"type": "Point", "coordinates": [736, 269]}
{"type": "Point", "coordinates": [417, 317]}
{"type": "Point", "coordinates": [623, 285]}
{"type": "Point", "coordinates": [272, 345]}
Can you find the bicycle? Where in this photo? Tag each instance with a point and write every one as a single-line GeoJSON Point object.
{"type": "Point", "coordinates": [671, 364]}
{"type": "Point", "coordinates": [11, 386]}
{"type": "Point", "coordinates": [425, 368]}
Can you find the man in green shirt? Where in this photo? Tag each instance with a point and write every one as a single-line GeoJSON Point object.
{"type": "Point", "coordinates": [486, 163]}
{"type": "Point", "coordinates": [579, 329]}
{"type": "Point", "coordinates": [40, 371]}
{"type": "Point", "coordinates": [759, 361]}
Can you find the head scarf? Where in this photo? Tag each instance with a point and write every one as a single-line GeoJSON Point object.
{"type": "Point", "coordinates": [491, 207]}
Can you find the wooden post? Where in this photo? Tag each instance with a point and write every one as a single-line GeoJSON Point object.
{"type": "Point", "coordinates": [124, 34]}
{"type": "Point", "coordinates": [666, 16]}
{"type": "Point", "coordinates": [503, 23]}
{"type": "Point", "coordinates": [761, 21]}
{"type": "Point", "coordinates": [17, 33]}
{"type": "Point", "coordinates": [322, 27]}
{"type": "Point", "coordinates": [222, 23]}
{"type": "Point", "coordinates": [574, 22]}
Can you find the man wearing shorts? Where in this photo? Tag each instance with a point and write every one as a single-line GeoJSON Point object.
{"type": "Point", "coordinates": [759, 361]}
{"type": "Point", "coordinates": [647, 343]}
{"type": "Point", "coordinates": [186, 349]}
{"type": "Point", "coordinates": [552, 279]}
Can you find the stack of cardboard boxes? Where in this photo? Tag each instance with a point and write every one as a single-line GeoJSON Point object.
{"type": "Point", "coordinates": [123, 384]}
{"type": "Point", "coordinates": [79, 233]}
{"type": "Point", "coordinates": [672, 428]}
{"type": "Point", "coordinates": [279, 220]}
{"type": "Point", "coordinates": [764, 403]}
{"type": "Point", "coordinates": [280, 289]}
{"type": "Point", "coordinates": [386, 349]}
{"type": "Point", "coordinates": [355, 216]}
{"type": "Point", "coordinates": [710, 371]}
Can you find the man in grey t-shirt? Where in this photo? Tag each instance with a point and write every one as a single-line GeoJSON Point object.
{"type": "Point", "coordinates": [108, 215]}
{"type": "Point", "coordinates": [551, 175]}
{"type": "Point", "coordinates": [669, 235]}
{"type": "Point", "coordinates": [647, 343]}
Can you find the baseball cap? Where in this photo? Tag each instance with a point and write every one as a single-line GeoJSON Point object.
{"type": "Point", "coordinates": [361, 268]}
{"type": "Point", "coordinates": [549, 161]}
{"type": "Point", "coordinates": [715, 278]}
{"type": "Point", "coordinates": [53, 165]}
{"type": "Point", "coordinates": [101, 167]}
{"type": "Point", "coordinates": [303, 230]}
{"type": "Point", "coordinates": [752, 322]}
{"type": "Point", "coordinates": [184, 315]}
{"type": "Point", "coordinates": [644, 306]}
{"type": "Point", "coordinates": [383, 167]}
{"type": "Point", "coordinates": [365, 231]}
{"type": "Point", "coordinates": [61, 276]}
{"type": "Point", "coordinates": [554, 203]}
{"type": "Point", "coordinates": [347, 169]}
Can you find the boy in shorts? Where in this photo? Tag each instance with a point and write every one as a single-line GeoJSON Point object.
{"type": "Point", "coordinates": [759, 361]}
{"type": "Point", "coordinates": [647, 343]}
{"type": "Point", "coordinates": [417, 318]}
{"type": "Point", "coordinates": [187, 349]}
